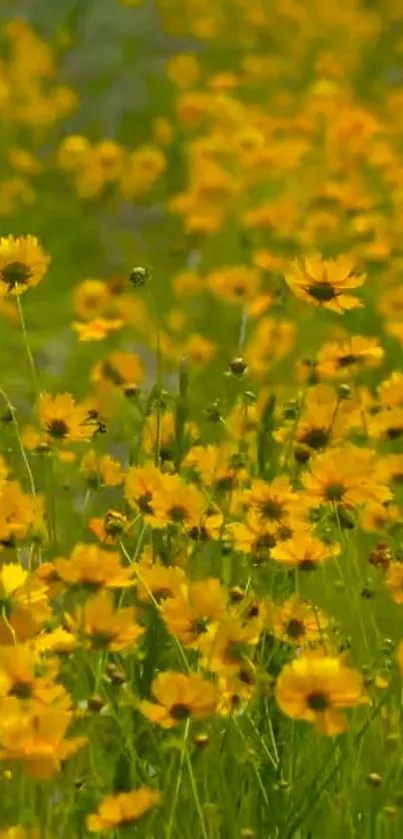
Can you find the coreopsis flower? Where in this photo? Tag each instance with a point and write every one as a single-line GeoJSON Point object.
{"type": "Point", "coordinates": [24, 604]}
{"type": "Point", "coordinates": [91, 565]}
{"type": "Point", "coordinates": [316, 687]}
{"type": "Point", "coordinates": [189, 614]}
{"type": "Point", "coordinates": [101, 469]}
{"type": "Point", "coordinates": [346, 475]}
{"type": "Point", "coordinates": [57, 641]}
{"type": "Point", "coordinates": [179, 697]}
{"type": "Point", "coordinates": [220, 466]}
{"type": "Point", "coordinates": [124, 808]}
{"type": "Point", "coordinates": [102, 627]}
{"type": "Point", "coordinates": [141, 485]}
{"type": "Point", "coordinates": [325, 283]}
{"type": "Point", "coordinates": [254, 535]}
{"type": "Point", "coordinates": [296, 622]}
{"type": "Point", "coordinates": [23, 264]}
{"type": "Point", "coordinates": [35, 737]}
{"type": "Point", "coordinates": [117, 370]}
{"type": "Point", "coordinates": [183, 70]}
{"type": "Point", "coordinates": [235, 283]}
{"type": "Point", "coordinates": [324, 420]}
{"type": "Point", "coordinates": [91, 299]}
{"type": "Point", "coordinates": [19, 666]}
{"type": "Point", "coordinates": [227, 645]}
{"type": "Point", "coordinates": [21, 515]}
{"type": "Point", "coordinates": [303, 551]}
{"type": "Point", "coordinates": [346, 358]}
{"type": "Point", "coordinates": [178, 503]}
{"type": "Point", "coordinates": [97, 329]}
{"type": "Point", "coordinates": [275, 501]}
{"type": "Point", "coordinates": [63, 419]}
{"type": "Point", "coordinates": [157, 582]}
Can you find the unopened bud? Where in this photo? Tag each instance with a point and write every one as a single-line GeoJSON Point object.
{"type": "Point", "coordinates": [140, 276]}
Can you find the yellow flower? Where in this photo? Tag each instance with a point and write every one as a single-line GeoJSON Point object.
{"type": "Point", "coordinates": [106, 628]}
{"type": "Point", "coordinates": [183, 70]}
{"type": "Point", "coordinates": [315, 687]}
{"type": "Point", "coordinates": [141, 485]}
{"type": "Point", "coordinates": [343, 359]}
{"type": "Point", "coordinates": [324, 282]}
{"type": "Point", "coordinates": [122, 809]}
{"type": "Point", "coordinates": [23, 263]}
{"type": "Point", "coordinates": [189, 614]}
{"type": "Point", "coordinates": [296, 622]}
{"type": "Point", "coordinates": [24, 604]}
{"type": "Point", "coordinates": [179, 697]}
{"type": "Point", "coordinates": [18, 677]}
{"type": "Point", "coordinates": [36, 737]}
{"type": "Point", "coordinates": [235, 284]}
{"type": "Point", "coordinates": [345, 475]}
{"type": "Point", "coordinates": [303, 551]}
{"type": "Point", "coordinates": [101, 468]}
{"type": "Point", "coordinates": [91, 298]}
{"type": "Point", "coordinates": [89, 564]}
{"type": "Point", "coordinates": [178, 503]}
{"type": "Point", "coordinates": [63, 419]}
{"type": "Point", "coordinates": [97, 329]}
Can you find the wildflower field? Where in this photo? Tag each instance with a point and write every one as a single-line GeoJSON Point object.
{"type": "Point", "coordinates": [201, 419]}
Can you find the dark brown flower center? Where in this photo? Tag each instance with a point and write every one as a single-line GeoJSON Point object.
{"type": "Point", "coordinates": [22, 690]}
{"type": "Point", "coordinates": [295, 629]}
{"type": "Point", "coordinates": [58, 429]}
{"type": "Point", "coordinates": [271, 509]}
{"type": "Point", "coordinates": [316, 438]}
{"type": "Point", "coordinates": [347, 360]}
{"type": "Point", "coordinates": [16, 274]}
{"type": "Point", "coordinates": [318, 701]}
{"type": "Point", "coordinates": [334, 492]}
{"type": "Point", "coordinates": [180, 711]}
{"type": "Point", "coordinates": [177, 514]}
{"type": "Point", "coordinates": [322, 292]}
{"type": "Point", "coordinates": [307, 564]}
{"type": "Point", "coordinates": [101, 640]}
{"type": "Point", "coordinates": [143, 503]}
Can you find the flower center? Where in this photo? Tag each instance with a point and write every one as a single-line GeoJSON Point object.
{"type": "Point", "coordinates": [271, 509]}
{"type": "Point", "coordinates": [316, 438]}
{"type": "Point", "coordinates": [200, 626]}
{"type": "Point", "coordinates": [347, 360]}
{"type": "Point", "coordinates": [318, 701]}
{"type": "Point", "coordinates": [322, 292]}
{"type": "Point", "coordinates": [179, 711]}
{"type": "Point", "coordinates": [295, 629]}
{"type": "Point", "coordinates": [100, 640]}
{"type": "Point", "coordinates": [307, 564]}
{"type": "Point", "coordinates": [16, 274]}
{"type": "Point", "coordinates": [57, 428]}
{"type": "Point", "coordinates": [177, 514]}
{"type": "Point", "coordinates": [143, 503]}
{"type": "Point", "coordinates": [334, 492]}
{"type": "Point", "coordinates": [22, 690]}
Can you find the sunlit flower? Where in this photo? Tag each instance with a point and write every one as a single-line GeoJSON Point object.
{"type": "Point", "coordinates": [124, 808]}
{"type": "Point", "coordinates": [23, 264]}
{"type": "Point", "coordinates": [325, 283]}
{"type": "Point", "coordinates": [178, 697]}
{"type": "Point", "coordinates": [63, 419]}
{"type": "Point", "coordinates": [316, 688]}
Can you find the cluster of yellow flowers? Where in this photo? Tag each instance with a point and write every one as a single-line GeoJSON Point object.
{"type": "Point", "coordinates": [183, 563]}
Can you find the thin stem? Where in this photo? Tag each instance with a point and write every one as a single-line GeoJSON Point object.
{"type": "Point", "coordinates": [28, 350]}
